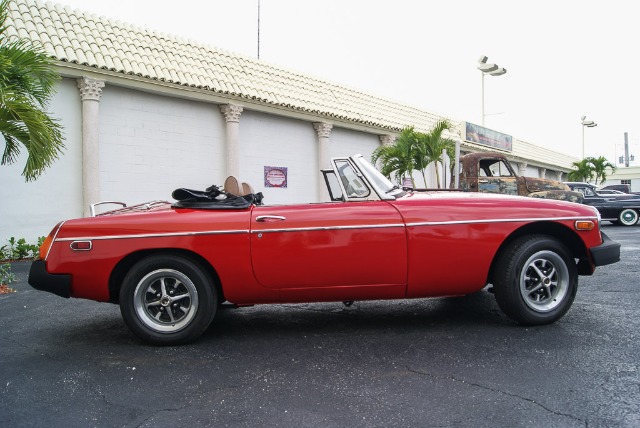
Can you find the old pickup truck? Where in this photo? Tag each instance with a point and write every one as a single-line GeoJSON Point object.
{"type": "Point", "coordinates": [492, 173]}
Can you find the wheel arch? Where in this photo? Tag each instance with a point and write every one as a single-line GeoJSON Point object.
{"type": "Point", "coordinates": [562, 233]}
{"type": "Point", "coordinates": [120, 270]}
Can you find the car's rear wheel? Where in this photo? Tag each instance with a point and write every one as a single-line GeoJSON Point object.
{"type": "Point", "coordinates": [167, 300]}
{"type": "Point", "coordinates": [628, 217]}
{"type": "Point", "coordinates": [535, 280]}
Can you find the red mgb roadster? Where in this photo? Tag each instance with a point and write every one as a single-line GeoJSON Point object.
{"type": "Point", "coordinates": [170, 266]}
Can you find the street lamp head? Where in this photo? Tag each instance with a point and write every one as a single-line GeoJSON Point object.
{"type": "Point", "coordinates": [490, 68]}
{"type": "Point", "coordinates": [487, 68]}
{"type": "Point", "coordinates": [587, 123]}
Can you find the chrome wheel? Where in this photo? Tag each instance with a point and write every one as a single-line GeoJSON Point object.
{"type": "Point", "coordinates": [535, 279]}
{"type": "Point", "coordinates": [165, 300]}
{"type": "Point", "coordinates": [544, 281]}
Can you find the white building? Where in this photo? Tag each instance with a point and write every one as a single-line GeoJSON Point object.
{"type": "Point", "coordinates": [625, 175]}
{"type": "Point", "coordinates": [145, 113]}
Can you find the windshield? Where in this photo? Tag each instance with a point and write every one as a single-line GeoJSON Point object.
{"type": "Point", "coordinates": [379, 181]}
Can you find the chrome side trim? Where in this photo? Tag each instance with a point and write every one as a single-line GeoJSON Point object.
{"type": "Point", "coordinates": [308, 229]}
{"type": "Point", "coordinates": [152, 235]}
{"type": "Point", "coordinates": [55, 235]}
{"type": "Point", "coordinates": [497, 220]}
{"type": "Point", "coordinates": [317, 228]}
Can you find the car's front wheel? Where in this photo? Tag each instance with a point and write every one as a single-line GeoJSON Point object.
{"type": "Point", "coordinates": [628, 217]}
{"type": "Point", "coordinates": [535, 280]}
{"type": "Point", "coordinates": [167, 300]}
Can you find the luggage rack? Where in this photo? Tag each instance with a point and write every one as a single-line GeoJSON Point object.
{"type": "Point", "coordinates": [146, 206]}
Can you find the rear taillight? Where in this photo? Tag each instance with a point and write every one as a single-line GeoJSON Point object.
{"type": "Point", "coordinates": [48, 242]}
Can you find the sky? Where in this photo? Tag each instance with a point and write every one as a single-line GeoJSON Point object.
{"type": "Point", "coordinates": [565, 59]}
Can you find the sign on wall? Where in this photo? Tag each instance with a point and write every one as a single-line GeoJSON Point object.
{"type": "Point", "coordinates": [487, 137]}
{"type": "Point", "coordinates": [275, 176]}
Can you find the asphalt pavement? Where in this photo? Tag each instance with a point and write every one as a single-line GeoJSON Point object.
{"type": "Point", "coordinates": [456, 362]}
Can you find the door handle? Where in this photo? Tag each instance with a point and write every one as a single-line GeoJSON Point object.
{"type": "Point", "coordinates": [483, 181]}
{"type": "Point", "coordinates": [270, 218]}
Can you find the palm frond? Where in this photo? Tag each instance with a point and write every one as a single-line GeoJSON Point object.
{"type": "Point", "coordinates": [27, 82]}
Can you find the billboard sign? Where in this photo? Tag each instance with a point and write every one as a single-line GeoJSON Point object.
{"type": "Point", "coordinates": [487, 137]}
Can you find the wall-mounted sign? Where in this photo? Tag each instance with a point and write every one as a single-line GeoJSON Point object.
{"type": "Point", "coordinates": [275, 176]}
{"type": "Point", "coordinates": [487, 137]}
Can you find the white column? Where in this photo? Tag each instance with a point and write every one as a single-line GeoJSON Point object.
{"type": "Point", "coordinates": [386, 140]}
{"type": "Point", "coordinates": [559, 173]}
{"type": "Point", "coordinates": [522, 169]}
{"type": "Point", "coordinates": [232, 114]}
{"type": "Point", "coordinates": [90, 92]}
{"type": "Point", "coordinates": [323, 130]}
{"type": "Point", "coordinates": [543, 172]}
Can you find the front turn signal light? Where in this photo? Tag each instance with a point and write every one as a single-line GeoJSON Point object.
{"type": "Point", "coordinates": [584, 225]}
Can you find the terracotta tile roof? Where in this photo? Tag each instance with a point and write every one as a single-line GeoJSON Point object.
{"type": "Point", "coordinates": [82, 38]}
{"type": "Point", "coordinates": [79, 37]}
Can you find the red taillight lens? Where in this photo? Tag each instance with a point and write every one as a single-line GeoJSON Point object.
{"type": "Point", "coordinates": [46, 245]}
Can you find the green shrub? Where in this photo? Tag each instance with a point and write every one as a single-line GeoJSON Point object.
{"type": "Point", "coordinates": [19, 249]}
{"type": "Point", "coordinates": [6, 276]}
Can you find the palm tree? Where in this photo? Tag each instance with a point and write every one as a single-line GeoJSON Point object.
{"type": "Point", "coordinates": [27, 82]}
{"type": "Point", "coordinates": [583, 171]}
{"type": "Point", "coordinates": [397, 157]}
{"type": "Point", "coordinates": [430, 146]}
{"type": "Point", "coordinates": [600, 166]}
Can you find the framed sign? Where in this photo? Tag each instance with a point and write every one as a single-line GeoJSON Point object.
{"type": "Point", "coordinates": [275, 176]}
{"type": "Point", "coordinates": [487, 137]}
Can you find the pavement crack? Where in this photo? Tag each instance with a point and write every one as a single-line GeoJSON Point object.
{"type": "Point", "coordinates": [498, 391]}
{"type": "Point", "coordinates": [156, 412]}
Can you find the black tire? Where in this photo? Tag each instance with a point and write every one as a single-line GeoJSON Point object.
{"type": "Point", "coordinates": [535, 280]}
{"type": "Point", "coordinates": [167, 300]}
{"type": "Point", "coordinates": [628, 217]}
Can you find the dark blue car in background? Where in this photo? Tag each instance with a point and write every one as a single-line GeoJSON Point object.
{"type": "Point", "coordinates": [619, 208]}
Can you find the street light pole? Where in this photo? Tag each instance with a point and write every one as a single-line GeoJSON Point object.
{"type": "Point", "coordinates": [586, 124]}
{"type": "Point", "coordinates": [490, 69]}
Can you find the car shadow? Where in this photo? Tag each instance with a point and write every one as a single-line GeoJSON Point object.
{"type": "Point", "coordinates": [417, 315]}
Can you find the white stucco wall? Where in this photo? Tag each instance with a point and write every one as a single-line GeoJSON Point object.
{"type": "Point", "coordinates": [151, 144]}
{"type": "Point", "coordinates": [530, 171]}
{"type": "Point", "coordinates": [268, 140]}
{"type": "Point", "coordinates": [346, 142]}
{"type": "Point", "coordinates": [30, 210]}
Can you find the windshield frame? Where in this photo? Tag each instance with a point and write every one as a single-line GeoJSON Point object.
{"type": "Point", "coordinates": [380, 184]}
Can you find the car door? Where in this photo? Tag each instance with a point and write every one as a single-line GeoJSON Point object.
{"type": "Point", "coordinates": [496, 176]}
{"type": "Point", "coordinates": [337, 244]}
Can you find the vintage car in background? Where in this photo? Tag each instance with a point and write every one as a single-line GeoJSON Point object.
{"type": "Point", "coordinates": [623, 209]}
{"type": "Point", "coordinates": [624, 188]}
{"type": "Point", "coordinates": [610, 192]}
{"type": "Point", "coordinates": [170, 266]}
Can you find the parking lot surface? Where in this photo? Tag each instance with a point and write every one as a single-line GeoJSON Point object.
{"type": "Point", "coordinates": [428, 363]}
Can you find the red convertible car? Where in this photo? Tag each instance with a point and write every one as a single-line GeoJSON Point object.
{"type": "Point", "coordinates": [170, 266]}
